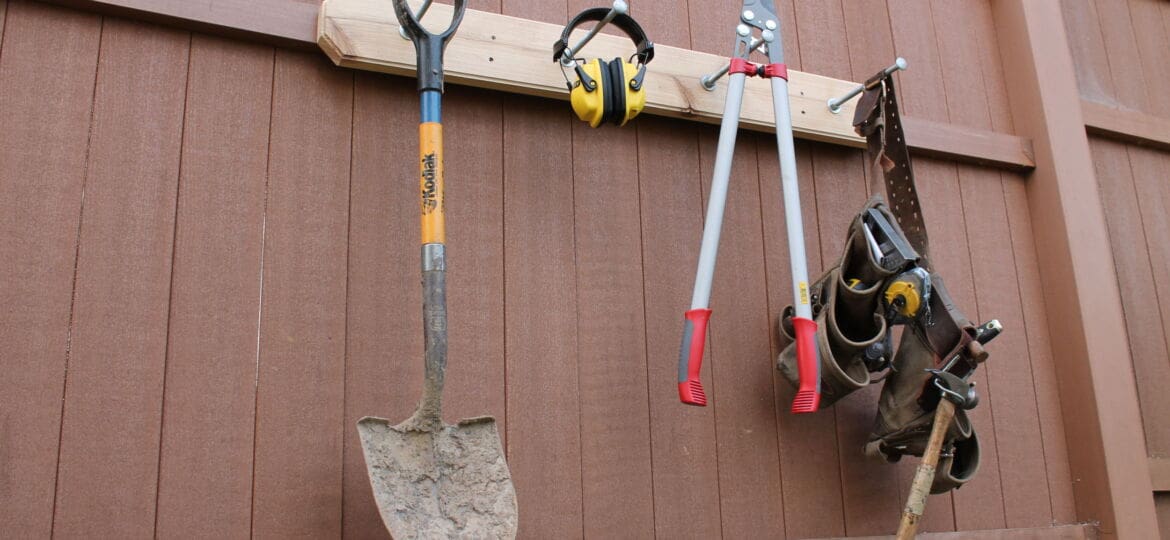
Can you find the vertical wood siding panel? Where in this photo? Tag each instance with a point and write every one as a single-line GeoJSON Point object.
{"type": "Point", "coordinates": [1122, 50]}
{"type": "Point", "coordinates": [113, 397]}
{"type": "Point", "coordinates": [615, 423]}
{"type": "Point", "coordinates": [205, 477]}
{"type": "Point", "coordinates": [302, 326]}
{"type": "Point", "coordinates": [994, 86]}
{"type": "Point", "coordinates": [475, 252]}
{"type": "Point", "coordinates": [615, 412]}
{"type": "Point", "coordinates": [1053, 442]}
{"type": "Point", "coordinates": [664, 22]}
{"type": "Point", "coordinates": [1040, 351]}
{"type": "Point", "coordinates": [1153, 372]}
{"type": "Point", "coordinates": [741, 382]}
{"type": "Point", "coordinates": [544, 442]}
{"type": "Point", "coordinates": [1132, 258]}
{"type": "Point", "coordinates": [712, 24]}
{"type": "Point", "coordinates": [685, 467]}
{"type": "Point", "coordinates": [686, 481]}
{"type": "Point", "coordinates": [978, 505]}
{"type": "Point", "coordinates": [46, 117]}
{"type": "Point", "coordinates": [383, 366]}
{"type": "Point", "coordinates": [869, 488]}
{"type": "Point", "coordinates": [544, 438]}
{"type": "Point", "coordinates": [871, 43]}
{"type": "Point", "coordinates": [920, 88]}
{"type": "Point", "coordinates": [872, 496]}
{"type": "Point", "coordinates": [1153, 44]}
{"type": "Point", "coordinates": [1011, 391]}
{"type": "Point", "coordinates": [1010, 402]}
{"type": "Point", "coordinates": [1088, 50]}
{"type": "Point", "coordinates": [824, 45]}
{"type": "Point", "coordinates": [802, 439]}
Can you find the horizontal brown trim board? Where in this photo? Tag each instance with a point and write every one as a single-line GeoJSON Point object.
{"type": "Point", "coordinates": [278, 22]}
{"type": "Point", "coordinates": [970, 145]}
{"type": "Point", "coordinates": [511, 54]}
{"type": "Point", "coordinates": [1160, 473]}
{"type": "Point", "coordinates": [1126, 125]}
{"type": "Point", "coordinates": [1063, 532]}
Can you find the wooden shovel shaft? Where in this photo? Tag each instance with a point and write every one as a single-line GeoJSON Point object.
{"type": "Point", "coordinates": [924, 476]}
{"type": "Point", "coordinates": [434, 265]}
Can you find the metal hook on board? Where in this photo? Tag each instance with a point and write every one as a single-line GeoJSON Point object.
{"type": "Point", "coordinates": [421, 11]}
{"type": "Point", "coordinates": [620, 7]}
{"type": "Point", "coordinates": [836, 103]}
{"type": "Point", "coordinates": [708, 81]}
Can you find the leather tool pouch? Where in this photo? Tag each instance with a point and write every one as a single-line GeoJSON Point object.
{"type": "Point", "coordinates": [857, 301]}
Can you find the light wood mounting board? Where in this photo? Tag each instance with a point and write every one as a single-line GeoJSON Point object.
{"type": "Point", "coordinates": [515, 55]}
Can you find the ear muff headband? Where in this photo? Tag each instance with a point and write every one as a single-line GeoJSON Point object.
{"type": "Point", "coordinates": [623, 22]}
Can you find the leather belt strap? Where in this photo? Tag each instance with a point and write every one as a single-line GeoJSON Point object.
{"type": "Point", "coordinates": [877, 119]}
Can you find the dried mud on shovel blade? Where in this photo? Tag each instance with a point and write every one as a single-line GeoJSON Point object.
{"type": "Point", "coordinates": [452, 482]}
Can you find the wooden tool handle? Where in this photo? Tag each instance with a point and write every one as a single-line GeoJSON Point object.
{"type": "Point", "coordinates": [924, 476]}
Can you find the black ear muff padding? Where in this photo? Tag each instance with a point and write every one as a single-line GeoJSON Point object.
{"type": "Point", "coordinates": [617, 81]}
{"type": "Point", "coordinates": [606, 86]}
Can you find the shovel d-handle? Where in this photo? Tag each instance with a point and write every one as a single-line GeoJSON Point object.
{"type": "Point", "coordinates": [690, 357]}
{"type": "Point", "coordinates": [428, 47]}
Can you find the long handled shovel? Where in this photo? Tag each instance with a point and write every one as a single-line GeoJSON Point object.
{"type": "Point", "coordinates": [430, 479]}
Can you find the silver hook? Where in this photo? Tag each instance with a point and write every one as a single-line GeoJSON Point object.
{"type": "Point", "coordinates": [836, 103]}
{"type": "Point", "coordinates": [619, 8]}
{"type": "Point", "coordinates": [708, 81]}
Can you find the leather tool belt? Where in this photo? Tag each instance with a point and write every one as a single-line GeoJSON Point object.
{"type": "Point", "coordinates": [884, 278]}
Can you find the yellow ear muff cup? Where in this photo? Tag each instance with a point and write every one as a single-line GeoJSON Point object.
{"type": "Point", "coordinates": [635, 99]}
{"type": "Point", "coordinates": [589, 104]}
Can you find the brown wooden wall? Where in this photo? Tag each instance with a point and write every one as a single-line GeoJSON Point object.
{"type": "Point", "coordinates": [210, 272]}
{"type": "Point", "coordinates": [1122, 52]}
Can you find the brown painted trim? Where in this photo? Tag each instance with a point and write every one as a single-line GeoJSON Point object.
{"type": "Point", "coordinates": [276, 22]}
{"type": "Point", "coordinates": [1098, 397]}
{"type": "Point", "coordinates": [1126, 125]}
{"type": "Point", "coordinates": [1063, 532]}
{"type": "Point", "coordinates": [1160, 473]}
{"type": "Point", "coordinates": [969, 145]}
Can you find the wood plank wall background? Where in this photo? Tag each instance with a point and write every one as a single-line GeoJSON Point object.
{"type": "Point", "coordinates": [210, 272]}
{"type": "Point", "coordinates": [1122, 52]}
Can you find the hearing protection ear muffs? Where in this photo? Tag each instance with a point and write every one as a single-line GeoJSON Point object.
{"type": "Point", "coordinates": [607, 91]}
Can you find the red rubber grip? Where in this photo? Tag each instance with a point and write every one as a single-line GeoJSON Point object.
{"type": "Point", "coordinates": [808, 396]}
{"type": "Point", "coordinates": [690, 358]}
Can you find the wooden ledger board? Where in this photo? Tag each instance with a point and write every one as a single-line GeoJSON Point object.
{"type": "Point", "coordinates": [512, 54]}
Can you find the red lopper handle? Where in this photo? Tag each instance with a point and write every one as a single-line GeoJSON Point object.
{"type": "Point", "coordinates": [690, 357]}
{"type": "Point", "coordinates": [808, 368]}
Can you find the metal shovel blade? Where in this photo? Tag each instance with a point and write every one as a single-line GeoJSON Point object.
{"type": "Point", "coordinates": [447, 482]}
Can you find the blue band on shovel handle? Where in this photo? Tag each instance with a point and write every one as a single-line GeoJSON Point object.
{"type": "Point", "coordinates": [690, 357]}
